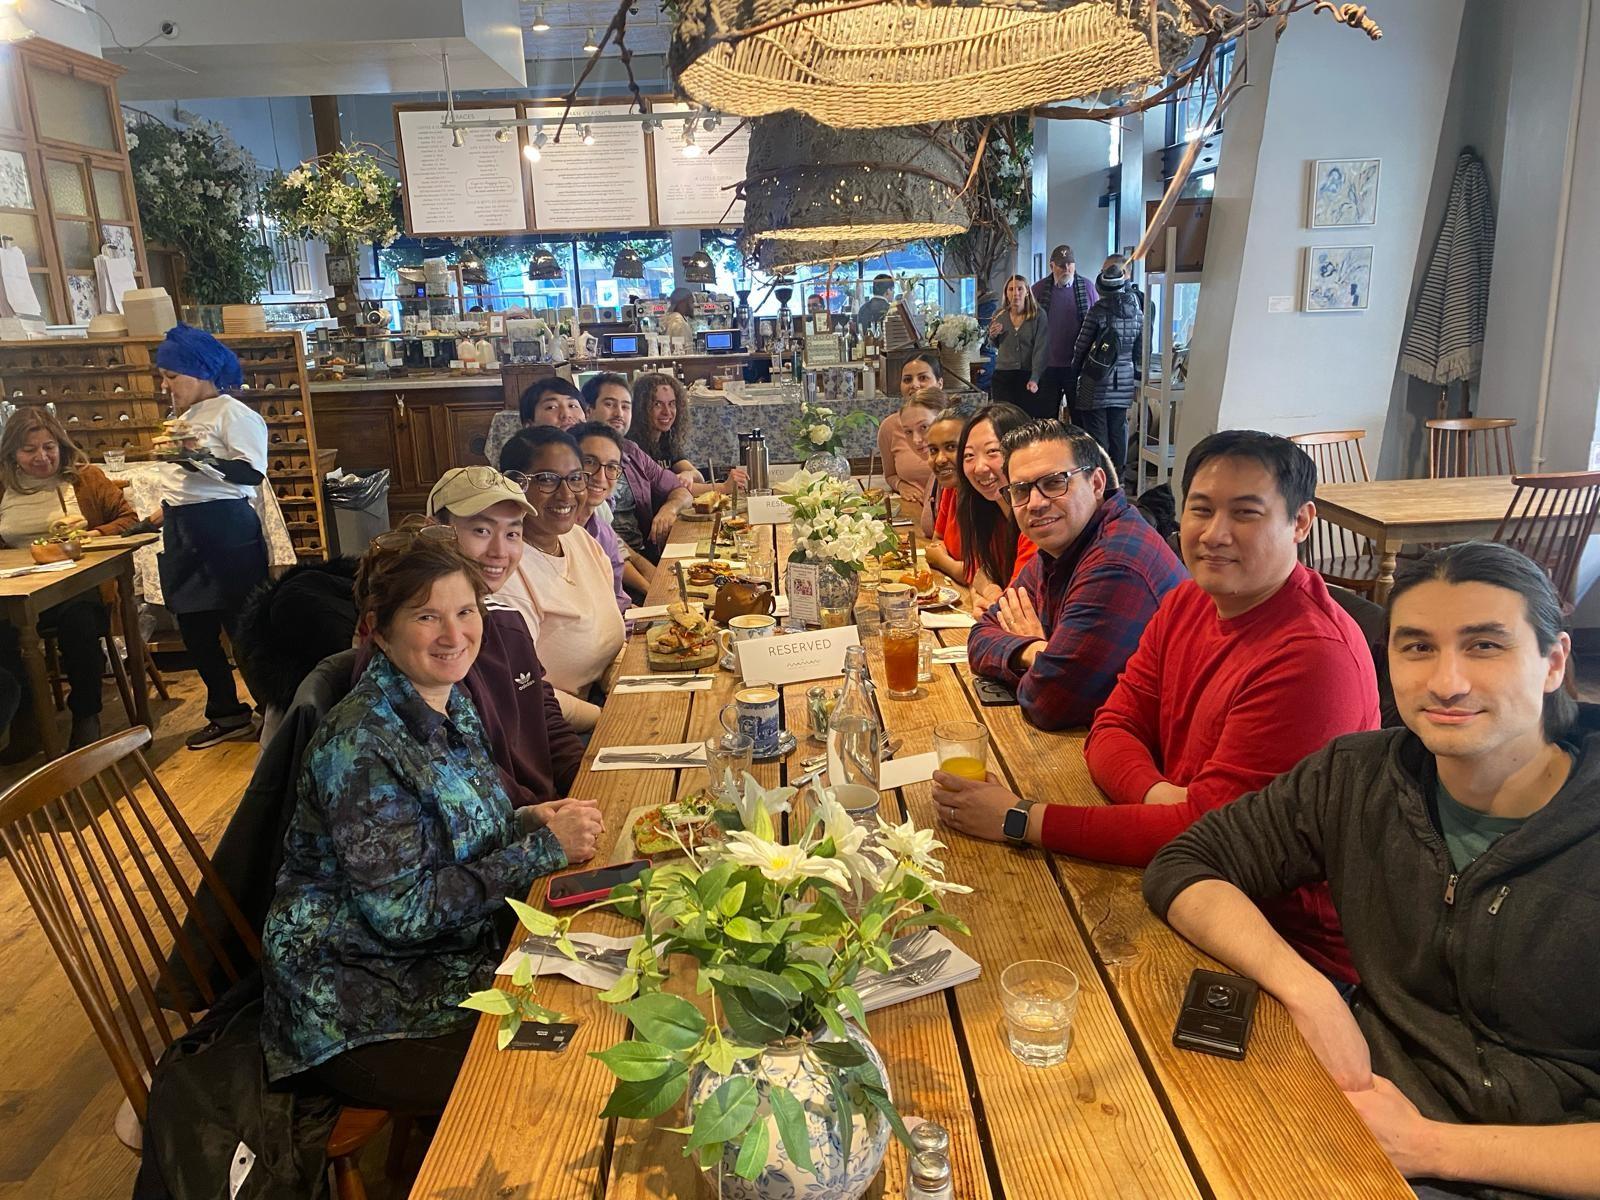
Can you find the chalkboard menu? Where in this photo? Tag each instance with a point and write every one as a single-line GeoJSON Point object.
{"type": "Point", "coordinates": [476, 187]}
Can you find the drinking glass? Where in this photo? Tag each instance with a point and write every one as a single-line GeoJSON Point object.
{"type": "Point", "coordinates": [897, 602]}
{"type": "Point", "coordinates": [902, 644]}
{"type": "Point", "coordinates": [1040, 1000]}
{"type": "Point", "coordinates": [728, 758]}
{"type": "Point", "coordinates": [925, 650]}
{"type": "Point", "coordinates": [115, 460]}
{"type": "Point", "coordinates": [963, 749]}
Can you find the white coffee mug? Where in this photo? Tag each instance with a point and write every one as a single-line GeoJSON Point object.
{"type": "Point", "coordinates": [743, 629]}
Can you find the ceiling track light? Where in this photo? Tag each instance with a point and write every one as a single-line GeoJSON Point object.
{"type": "Point", "coordinates": [531, 152]}
{"type": "Point", "coordinates": [586, 134]}
{"type": "Point", "coordinates": [590, 43]}
{"type": "Point", "coordinates": [690, 148]}
{"type": "Point", "coordinates": [458, 137]}
{"type": "Point", "coordinates": [539, 24]}
{"type": "Point", "coordinates": [502, 135]}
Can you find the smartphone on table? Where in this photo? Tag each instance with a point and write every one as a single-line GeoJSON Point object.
{"type": "Point", "coordinates": [588, 884]}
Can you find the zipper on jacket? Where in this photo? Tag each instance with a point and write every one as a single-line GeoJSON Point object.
{"type": "Point", "coordinates": [1499, 899]}
{"type": "Point", "coordinates": [1450, 889]}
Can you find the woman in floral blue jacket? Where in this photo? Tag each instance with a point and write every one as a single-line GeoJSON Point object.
{"type": "Point", "coordinates": [401, 852]}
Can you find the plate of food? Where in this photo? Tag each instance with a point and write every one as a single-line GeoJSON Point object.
{"type": "Point", "coordinates": [683, 642]}
{"type": "Point", "coordinates": [661, 830]}
{"type": "Point", "coordinates": [705, 506]}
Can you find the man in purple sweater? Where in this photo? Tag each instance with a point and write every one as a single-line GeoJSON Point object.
{"type": "Point", "coordinates": [1065, 297]}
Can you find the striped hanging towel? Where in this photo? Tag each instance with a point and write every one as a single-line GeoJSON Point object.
{"type": "Point", "coordinates": [1445, 341]}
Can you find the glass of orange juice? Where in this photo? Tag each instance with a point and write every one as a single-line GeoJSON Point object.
{"type": "Point", "coordinates": [963, 749]}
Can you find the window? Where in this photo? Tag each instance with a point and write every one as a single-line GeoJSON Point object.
{"type": "Point", "coordinates": [1190, 110]}
{"type": "Point", "coordinates": [850, 281]}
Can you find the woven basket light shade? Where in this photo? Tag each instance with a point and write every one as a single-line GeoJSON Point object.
{"type": "Point", "coordinates": [806, 182]}
{"type": "Point", "coordinates": [772, 256]}
{"type": "Point", "coordinates": [901, 62]}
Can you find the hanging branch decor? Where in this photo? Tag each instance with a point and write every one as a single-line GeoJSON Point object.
{"type": "Point", "coordinates": [810, 183]}
{"type": "Point", "coordinates": [872, 63]}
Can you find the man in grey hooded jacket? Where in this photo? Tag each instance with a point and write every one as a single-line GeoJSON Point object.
{"type": "Point", "coordinates": [1463, 855]}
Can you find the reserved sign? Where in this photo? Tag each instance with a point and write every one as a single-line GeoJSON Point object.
{"type": "Point", "coordinates": [796, 657]}
{"type": "Point", "coordinates": [769, 510]}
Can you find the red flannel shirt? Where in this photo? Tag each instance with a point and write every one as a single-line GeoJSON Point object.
{"type": "Point", "coordinates": [1094, 602]}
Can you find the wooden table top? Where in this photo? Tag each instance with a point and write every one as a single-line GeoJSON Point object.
{"type": "Point", "coordinates": [1400, 502]}
{"type": "Point", "coordinates": [95, 562]}
{"type": "Point", "coordinates": [1126, 1115]}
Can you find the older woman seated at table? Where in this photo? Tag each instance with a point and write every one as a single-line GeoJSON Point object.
{"type": "Point", "coordinates": [401, 852]}
{"type": "Point", "coordinates": [564, 585]}
{"type": "Point", "coordinates": [47, 487]}
{"type": "Point", "coordinates": [660, 425]}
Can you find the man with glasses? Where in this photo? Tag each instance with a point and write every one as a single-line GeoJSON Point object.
{"type": "Point", "coordinates": [1242, 672]}
{"type": "Point", "coordinates": [647, 497]}
{"type": "Point", "coordinates": [1061, 635]}
{"type": "Point", "coordinates": [600, 447]}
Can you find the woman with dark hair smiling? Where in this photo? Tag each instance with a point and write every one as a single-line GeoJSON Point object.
{"type": "Point", "coordinates": [993, 550]}
{"type": "Point", "coordinates": [648, 497]}
{"type": "Point", "coordinates": [661, 427]}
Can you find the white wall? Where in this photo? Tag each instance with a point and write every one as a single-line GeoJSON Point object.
{"type": "Point", "coordinates": [276, 129]}
{"type": "Point", "coordinates": [1067, 206]}
{"type": "Point", "coordinates": [1327, 93]}
{"type": "Point", "coordinates": [62, 24]}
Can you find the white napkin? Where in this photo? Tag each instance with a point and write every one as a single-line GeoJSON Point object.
{"type": "Point", "coordinates": [553, 962]}
{"type": "Point", "coordinates": [651, 683]}
{"type": "Point", "coordinates": [899, 772]}
{"type": "Point", "coordinates": [960, 967]}
{"type": "Point", "coordinates": [646, 613]}
{"type": "Point", "coordinates": [38, 569]}
{"type": "Point", "coordinates": [696, 750]}
{"type": "Point", "coordinates": [948, 620]}
{"type": "Point", "coordinates": [679, 550]}
{"type": "Point", "coordinates": [949, 654]}
{"type": "Point", "coordinates": [115, 275]}
{"type": "Point", "coordinates": [14, 280]}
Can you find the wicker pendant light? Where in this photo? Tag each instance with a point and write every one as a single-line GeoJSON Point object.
{"type": "Point", "coordinates": [543, 265]}
{"type": "Point", "coordinates": [628, 265]}
{"type": "Point", "coordinates": [806, 182]}
{"type": "Point", "coordinates": [905, 61]}
{"type": "Point", "coordinates": [773, 256]}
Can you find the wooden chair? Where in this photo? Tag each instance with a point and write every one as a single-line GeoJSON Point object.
{"type": "Point", "coordinates": [1466, 446]}
{"type": "Point", "coordinates": [1338, 555]}
{"type": "Point", "coordinates": [111, 877]}
{"type": "Point", "coordinates": [1550, 520]}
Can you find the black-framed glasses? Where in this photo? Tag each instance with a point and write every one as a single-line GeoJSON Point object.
{"type": "Point", "coordinates": [1051, 486]}
{"type": "Point", "coordinates": [546, 483]}
{"type": "Point", "coordinates": [596, 469]}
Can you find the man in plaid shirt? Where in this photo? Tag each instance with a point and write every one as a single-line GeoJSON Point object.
{"type": "Point", "coordinates": [1061, 635]}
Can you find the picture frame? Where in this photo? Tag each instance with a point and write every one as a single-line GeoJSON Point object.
{"type": "Point", "coordinates": [1337, 279]}
{"type": "Point", "coordinates": [1343, 193]}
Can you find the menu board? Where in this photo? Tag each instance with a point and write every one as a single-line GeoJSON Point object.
{"type": "Point", "coordinates": [698, 190]}
{"type": "Point", "coordinates": [472, 188]}
{"type": "Point", "coordinates": [578, 188]}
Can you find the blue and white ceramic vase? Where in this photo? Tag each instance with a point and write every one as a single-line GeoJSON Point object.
{"type": "Point", "coordinates": [791, 1064]}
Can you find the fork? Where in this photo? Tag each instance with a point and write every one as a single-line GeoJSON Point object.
{"type": "Point", "coordinates": [617, 955]}
{"type": "Point", "coordinates": [912, 974]}
{"type": "Point", "coordinates": [676, 760]}
{"type": "Point", "coordinates": [903, 949]}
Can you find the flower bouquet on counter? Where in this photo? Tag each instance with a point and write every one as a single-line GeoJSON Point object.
{"type": "Point", "coordinates": [780, 1076]}
{"type": "Point", "coordinates": [958, 332]}
{"type": "Point", "coordinates": [821, 429]}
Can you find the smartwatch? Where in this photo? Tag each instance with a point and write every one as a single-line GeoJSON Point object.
{"type": "Point", "coordinates": [1015, 825]}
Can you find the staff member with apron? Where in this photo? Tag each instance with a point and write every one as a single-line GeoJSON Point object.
{"type": "Point", "coordinates": [213, 552]}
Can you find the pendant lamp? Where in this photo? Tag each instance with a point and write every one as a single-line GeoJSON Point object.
{"type": "Point", "coordinates": [806, 182]}
{"type": "Point", "coordinates": [778, 255]}
{"type": "Point", "coordinates": [543, 265]}
{"type": "Point", "coordinates": [904, 61]}
{"type": "Point", "coordinates": [698, 268]}
{"type": "Point", "coordinates": [628, 264]}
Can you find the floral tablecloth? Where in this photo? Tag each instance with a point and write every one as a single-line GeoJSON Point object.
{"type": "Point", "coordinates": [144, 493]}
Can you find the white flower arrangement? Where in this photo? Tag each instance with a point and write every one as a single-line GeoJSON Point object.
{"type": "Point", "coordinates": [833, 522]}
{"type": "Point", "coordinates": [958, 332]}
{"type": "Point", "coordinates": [820, 430]}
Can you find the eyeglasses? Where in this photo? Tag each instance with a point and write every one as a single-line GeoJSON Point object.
{"type": "Point", "coordinates": [546, 483]}
{"type": "Point", "coordinates": [595, 470]}
{"type": "Point", "coordinates": [486, 478]}
{"type": "Point", "coordinates": [408, 535]}
{"type": "Point", "coordinates": [1050, 486]}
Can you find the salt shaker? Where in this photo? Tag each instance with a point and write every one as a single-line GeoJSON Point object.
{"type": "Point", "coordinates": [929, 1177]}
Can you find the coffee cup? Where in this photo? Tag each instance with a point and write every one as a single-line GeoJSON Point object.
{"type": "Point", "coordinates": [742, 629]}
{"type": "Point", "coordinates": [755, 713]}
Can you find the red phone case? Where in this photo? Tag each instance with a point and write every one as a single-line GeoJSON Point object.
{"type": "Point", "coordinates": [577, 898]}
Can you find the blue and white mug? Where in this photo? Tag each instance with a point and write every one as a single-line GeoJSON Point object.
{"type": "Point", "coordinates": [755, 713]}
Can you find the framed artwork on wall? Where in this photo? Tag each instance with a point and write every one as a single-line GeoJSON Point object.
{"type": "Point", "coordinates": [1344, 192]}
{"type": "Point", "coordinates": [1338, 278]}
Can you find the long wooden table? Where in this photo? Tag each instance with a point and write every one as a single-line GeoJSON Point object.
{"type": "Point", "coordinates": [1126, 1115]}
{"type": "Point", "coordinates": [25, 598]}
{"type": "Point", "coordinates": [1393, 512]}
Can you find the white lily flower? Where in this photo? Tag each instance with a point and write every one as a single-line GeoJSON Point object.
{"type": "Point", "coordinates": [757, 806]}
{"type": "Point", "coordinates": [848, 843]}
{"type": "Point", "coordinates": [783, 864]}
{"type": "Point", "coordinates": [910, 844]}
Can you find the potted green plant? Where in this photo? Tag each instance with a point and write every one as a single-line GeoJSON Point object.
{"type": "Point", "coordinates": [785, 1090]}
{"type": "Point", "coordinates": [344, 198]}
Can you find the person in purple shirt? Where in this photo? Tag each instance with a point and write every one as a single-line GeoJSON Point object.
{"type": "Point", "coordinates": [648, 497]}
{"type": "Point", "coordinates": [1065, 297]}
{"type": "Point", "coordinates": [600, 447]}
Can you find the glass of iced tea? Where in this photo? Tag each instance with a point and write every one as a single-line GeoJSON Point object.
{"type": "Point", "coordinates": [963, 749]}
{"type": "Point", "coordinates": [901, 645]}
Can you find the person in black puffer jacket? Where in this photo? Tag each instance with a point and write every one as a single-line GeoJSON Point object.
{"type": "Point", "coordinates": [1103, 402]}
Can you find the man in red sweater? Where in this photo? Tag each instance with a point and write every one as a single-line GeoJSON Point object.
{"type": "Point", "coordinates": [1243, 671]}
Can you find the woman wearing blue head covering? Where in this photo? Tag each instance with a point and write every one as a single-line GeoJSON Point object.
{"type": "Point", "coordinates": [213, 552]}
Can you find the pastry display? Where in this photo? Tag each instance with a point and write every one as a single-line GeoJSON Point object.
{"type": "Point", "coordinates": [685, 641]}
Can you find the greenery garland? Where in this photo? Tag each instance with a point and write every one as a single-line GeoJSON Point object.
{"type": "Point", "coordinates": [194, 186]}
{"type": "Point", "coordinates": [343, 198]}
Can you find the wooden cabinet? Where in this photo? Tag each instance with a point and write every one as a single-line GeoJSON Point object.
{"type": "Point", "coordinates": [416, 433]}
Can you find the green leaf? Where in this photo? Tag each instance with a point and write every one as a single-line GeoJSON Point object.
{"type": "Point", "coordinates": [636, 1061]}
{"type": "Point", "coordinates": [835, 1022]}
{"type": "Point", "coordinates": [710, 885]}
{"type": "Point", "coordinates": [933, 917]}
{"type": "Point", "coordinates": [732, 899]}
{"type": "Point", "coordinates": [806, 974]}
{"type": "Point", "coordinates": [541, 924]}
{"type": "Point", "coordinates": [851, 999]}
{"type": "Point", "coordinates": [755, 979]}
{"type": "Point", "coordinates": [753, 1154]}
{"type": "Point", "coordinates": [841, 1055]}
{"type": "Point", "coordinates": [623, 989]}
{"type": "Point", "coordinates": [509, 1024]}
{"type": "Point", "coordinates": [492, 1001]}
{"type": "Point", "coordinates": [667, 1020]}
{"type": "Point", "coordinates": [743, 929]}
{"type": "Point", "coordinates": [726, 1113]}
{"type": "Point", "coordinates": [647, 1098]}
{"type": "Point", "coordinates": [791, 1119]}
{"type": "Point", "coordinates": [753, 1016]}
{"type": "Point", "coordinates": [879, 1099]}
{"type": "Point", "coordinates": [719, 1056]}
{"type": "Point", "coordinates": [523, 975]}
{"type": "Point", "coordinates": [541, 1014]}
{"type": "Point", "coordinates": [846, 1111]}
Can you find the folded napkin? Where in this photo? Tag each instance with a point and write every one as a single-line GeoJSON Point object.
{"type": "Point", "coordinates": [628, 684]}
{"type": "Point", "coordinates": [605, 759]}
{"type": "Point", "coordinates": [948, 620]}
{"type": "Point", "coordinates": [901, 772]}
{"type": "Point", "coordinates": [553, 962]}
{"type": "Point", "coordinates": [960, 967]}
{"type": "Point", "coordinates": [949, 654]}
{"type": "Point", "coordinates": [679, 550]}
{"type": "Point", "coordinates": [646, 612]}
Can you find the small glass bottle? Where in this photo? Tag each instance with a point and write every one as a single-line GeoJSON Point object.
{"type": "Point", "coordinates": [855, 739]}
{"type": "Point", "coordinates": [928, 1177]}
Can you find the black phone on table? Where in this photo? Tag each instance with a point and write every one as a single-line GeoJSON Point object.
{"type": "Point", "coordinates": [992, 693]}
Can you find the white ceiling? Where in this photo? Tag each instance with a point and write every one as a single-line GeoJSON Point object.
{"type": "Point", "coordinates": [570, 20]}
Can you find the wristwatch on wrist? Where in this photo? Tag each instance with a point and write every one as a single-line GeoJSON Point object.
{"type": "Point", "coordinates": [1015, 825]}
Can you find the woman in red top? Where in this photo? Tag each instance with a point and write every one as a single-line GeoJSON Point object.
{"type": "Point", "coordinates": [993, 550]}
{"type": "Point", "coordinates": [939, 514]}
